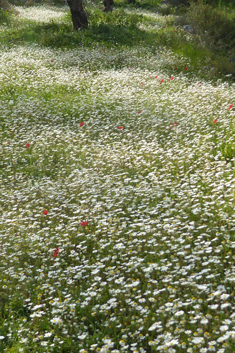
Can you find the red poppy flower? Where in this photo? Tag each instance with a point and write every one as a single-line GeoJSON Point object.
{"type": "Point", "coordinates": [186, 69]}
{"type": "Point", "coordinates": [27, 144]}
{"type": "Point", "coordinates": [82, 123]}
{"type": "Point", "coordinates": [175, 123]}
{"type": "Point", "coordinates": [156, 76]}
{"type": "Point", "coordinates": [175, 68]}
{"type": "Point", "coordinates": [52, 61]}
{"type": "Point", "coordinates": [172, 78]}
{"type": "Point", "coordinates": [215, 121]}
{"type": "Point", "coordinates": [56, 251]}
{"type": "Point", "coordinates": [83, 223]}
{"type": "Point", "coordinates": [120, 127]}
{"type": "Point", "coordinates": [230, 107]}
{"type": "Point", "coordinates": [162, 80]}
{"type": "Point", "coordinates": [45, 212]}
{"type": "Point", "coordinates": [139, 111]}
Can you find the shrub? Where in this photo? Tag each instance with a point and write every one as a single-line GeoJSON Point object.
{"type": "Point", "coordinates": [215, 25]}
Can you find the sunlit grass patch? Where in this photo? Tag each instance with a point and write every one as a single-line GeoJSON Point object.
{"type": "Point", "coordinates": [44, 13]}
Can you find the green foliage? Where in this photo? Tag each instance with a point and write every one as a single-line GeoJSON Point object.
{"type": "Point", "coordinates": [227, 3]}
{"type": "Point", "coordinates": [214, 31]}
{"type": "Point", "coordinates": [117, 18]}
{"type": "Point", "coordinates": [119, 28]}
{"type": "Point", "coordinates": [4, 16]}
{"type": "Point", "coordinates": [228, 150]}
{"type": "Point", "coordinates": [110, 29]}
{"type": "Point", "coordinates": [179, 2]}
{"type": "Point", "coordinates": [144, 4]}
{"type": "Point", "coordinates": [215, 25]}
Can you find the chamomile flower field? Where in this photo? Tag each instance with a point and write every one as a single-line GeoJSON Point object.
{"type": "Point", "coordinates": [117, 214]}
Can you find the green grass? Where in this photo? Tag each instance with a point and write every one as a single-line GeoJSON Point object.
{"type": "Point", "coordinates": [4, 16]}
{"type": "Point", "coordinates": [118, 29]}
{"type": "Point", "coordinates": [118, 125]}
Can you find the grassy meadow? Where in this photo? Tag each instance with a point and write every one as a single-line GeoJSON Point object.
{"type": "Point", "coordinates": [117, 151]}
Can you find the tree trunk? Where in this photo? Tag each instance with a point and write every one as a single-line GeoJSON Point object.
{"type": "Point", "coordinates": [79, 16]}
{"type": "Point", "coordinates": [108, 5]}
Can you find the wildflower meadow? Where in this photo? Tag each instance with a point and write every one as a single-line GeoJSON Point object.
{"type": "Point", "coordinates": [117, 191]}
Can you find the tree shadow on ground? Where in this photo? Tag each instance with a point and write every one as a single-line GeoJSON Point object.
{"type": "Point", "coordinates": [62, 36]}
